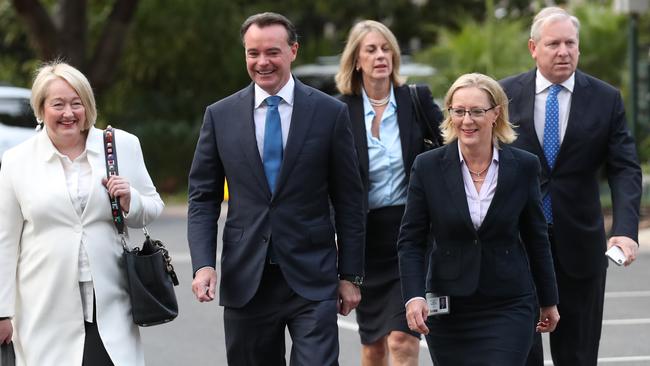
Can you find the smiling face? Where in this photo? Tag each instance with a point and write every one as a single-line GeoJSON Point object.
{"type": "Point", "coordinates": [556, 52]}
{"type": "Point", "coordinates": [474, 132]}
{"type": "Point", "coordinates": [269, 56]}
{"type": "Point", "coordinates": [375, 57]}
{"type": "Point", "coordinates": [64, 114]}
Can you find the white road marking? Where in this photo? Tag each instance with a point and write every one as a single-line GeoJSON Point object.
{"type": "Point", "coordinates": [626, 294]}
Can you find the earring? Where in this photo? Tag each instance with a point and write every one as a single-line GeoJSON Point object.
{"type": "Point", "coordinates": [494, 124]}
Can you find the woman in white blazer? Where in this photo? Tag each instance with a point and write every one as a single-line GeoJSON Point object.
{"type": "Point", "coordinates": [63, 294]}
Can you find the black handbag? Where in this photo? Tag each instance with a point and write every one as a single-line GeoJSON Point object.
{"type": "Point", "coordinates": [431, 139]}
{"type": "Point", "coordinates": [7, 356]}
{"type": "Point", "coordinates": [149, 269]}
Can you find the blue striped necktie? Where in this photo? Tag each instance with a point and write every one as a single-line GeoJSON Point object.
{"type": "Point", "coordinates": [272, 153]}
{"type": "Point", "coordinates": [551, 141]}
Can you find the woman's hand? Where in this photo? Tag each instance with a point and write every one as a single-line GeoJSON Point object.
{"type": "Point", "coordinates": [548, 318]}
{"type": "Point", "coordinates": [6, 331]}
{"type": "Point", "coordinates": [416, 313]}
{"type": "Point", "coordinates": [118, 186]}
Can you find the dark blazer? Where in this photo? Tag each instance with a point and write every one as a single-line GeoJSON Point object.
{"type": "Point", "coordinates": [410, 132]}
{"type": "Point", "coordinates": [596, 136]}
{"type": "Point", "coordinates": [495, 260]}
{"type": "Point", "coordinates": [319, 163]}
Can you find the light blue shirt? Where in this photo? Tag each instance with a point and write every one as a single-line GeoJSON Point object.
{"type": "Point", "coordinates": [386, 166]}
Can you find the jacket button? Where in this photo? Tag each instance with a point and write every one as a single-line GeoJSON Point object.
{"type": "Point", "coordinates": [77, 228]}
{"type": "Point", "coordinates": [265, 239]}
{"type": "Point", "coordinates": [475, 242]}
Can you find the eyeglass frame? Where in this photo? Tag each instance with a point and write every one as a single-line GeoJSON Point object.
{"type": "Point", "coordinates": [469, 111]}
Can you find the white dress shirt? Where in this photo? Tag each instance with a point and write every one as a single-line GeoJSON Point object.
{"type": "Point", "coordinates": [78, 174]}
{"type": "Point", "coordinates": [285, 108]}
{"type": "Point", "coordinates": [479, 202]}
{"type": "Point", "coordinates": [542, 86]}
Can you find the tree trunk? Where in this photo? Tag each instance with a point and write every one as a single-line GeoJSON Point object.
{"type": "Point", "coordinates": [39, 26]}
{"type": "Point", "coordinates": [111, 44]}
{"type": "Point", "coordinates": [65, 36]}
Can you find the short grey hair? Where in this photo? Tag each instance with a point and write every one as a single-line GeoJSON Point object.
{"type": "Point", "coordinates": [549, 15]}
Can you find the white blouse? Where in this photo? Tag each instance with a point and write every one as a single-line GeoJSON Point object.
{"type": "Point", "coordinates": [478, 202]}
{"type": "Point", "coordinates": [78, 175]}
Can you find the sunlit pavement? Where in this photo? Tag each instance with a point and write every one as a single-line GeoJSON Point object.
{"type": "Point", "coordinates": [196, 336]}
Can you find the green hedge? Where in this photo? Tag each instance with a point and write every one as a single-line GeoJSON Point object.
{"type": "Point", "coordinates": [168, 148]}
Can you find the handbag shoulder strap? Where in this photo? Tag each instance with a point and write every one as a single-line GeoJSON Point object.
{"type": "Point", "coordinates": [420, 116]}
{"type": "Point", "coordinates": [110, 153]}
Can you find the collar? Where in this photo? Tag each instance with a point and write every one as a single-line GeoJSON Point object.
{"type": "Point", "coordinates": [286, 93]}
{"type": "Point", "coordinates": [542, 83]}
{"type": "Point", "coordinates": [495, 154]}
{"type": "Point", "coordinates": [94, 144]}
{"type": "Point", "coordinates": [367, 107]}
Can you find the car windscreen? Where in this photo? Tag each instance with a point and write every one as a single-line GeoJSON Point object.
{"type": "Point", "coordinates": [16, 112]}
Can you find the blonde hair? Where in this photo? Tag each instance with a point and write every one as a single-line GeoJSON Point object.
{"type": "Point", "coordinates": [348, 79]}
{"type": "Point", "coordinates": [550, 15]}
{"type": "Point", "coordinates": [503, 131]}
{"type": "Point", "coordinates": [60, 70]}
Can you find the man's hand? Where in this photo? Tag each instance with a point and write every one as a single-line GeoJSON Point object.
{"type": "Point", "coordinates": [6, 331]}
{"type": "Point", "coordinates": [627, 245]}
{"type": "Point", "coordinates": [548, 318]}
{"type": "Point", "coordinates": [416, 313]}
{"type": "Point", "coordinates": [204, 284]}
{"type": "Point", "coordinates": [349, 297]}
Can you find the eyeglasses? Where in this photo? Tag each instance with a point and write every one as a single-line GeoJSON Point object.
{"type": "Point", "coordinates": [459, 113]}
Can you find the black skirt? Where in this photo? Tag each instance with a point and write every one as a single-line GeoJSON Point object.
{"type": "Point", "coordinates": [382, 309]}
{"type": "Point", "coordinates": [482, 330]}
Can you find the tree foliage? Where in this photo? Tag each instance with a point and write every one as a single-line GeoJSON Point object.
{"type": "Point", "coordinates": [60, 30]}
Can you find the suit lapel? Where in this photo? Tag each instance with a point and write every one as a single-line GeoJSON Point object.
{"type": "Point", "coordinates": [355, 107]}
{"type": "Point", "coordinates": [454, 181]}
{"type": "Point", "coordinates": [505, 181]}
{"type": "Point", "coordinates": [246, 137]}
{"type": "Point", "coordinates": [405, 121]}
{"type": "Point", "coordinates": [301, 119]}
{"type": "Point", "coordinates": [580, 99]}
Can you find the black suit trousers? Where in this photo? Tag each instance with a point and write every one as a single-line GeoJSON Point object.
{"type": "Point", "coordinates": [576, 339]}
{"type": "Point", "coordinates": [255, 332]}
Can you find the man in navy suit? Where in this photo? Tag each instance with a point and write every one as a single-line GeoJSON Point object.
{"type": "Point", "coordinates": [588, 118]}
{"type": "Point", "coordinates": [280, 264]}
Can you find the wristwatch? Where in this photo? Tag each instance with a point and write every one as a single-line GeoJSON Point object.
{"type": "Point", "coordinates": [355, 279]}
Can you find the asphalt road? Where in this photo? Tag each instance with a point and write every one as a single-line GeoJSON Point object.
{"type": "Point", "coordinates": [196, 337]}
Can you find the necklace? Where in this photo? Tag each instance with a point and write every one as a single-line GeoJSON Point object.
{"type": "Point", "coordinates": [478, 174]}
{"type": "Point", "coordinates": [379, 102]}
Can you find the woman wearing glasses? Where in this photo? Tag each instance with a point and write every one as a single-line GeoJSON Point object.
{"type": "Point", "coordinates": [388, 138]}
{"type": "Point", "coordinates": [477, 202]}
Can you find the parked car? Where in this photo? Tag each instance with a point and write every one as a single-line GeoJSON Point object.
{"type": "Point", "coordinates": [17, 121]}
{"type": "Point", "coordinates": [320, 75]}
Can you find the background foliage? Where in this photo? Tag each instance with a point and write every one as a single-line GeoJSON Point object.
{"type": "Point", "coordinates": [180, 56]}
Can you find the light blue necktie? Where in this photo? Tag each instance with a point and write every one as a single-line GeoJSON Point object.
{"type": "Point", "coordinates": [272, 154]}
{"type": "Point", "coordinates": [551, 140]}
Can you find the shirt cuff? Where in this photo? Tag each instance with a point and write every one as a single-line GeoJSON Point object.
{"type": "Point", "coordinates": [414, 298]}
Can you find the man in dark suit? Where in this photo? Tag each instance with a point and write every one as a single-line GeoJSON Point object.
{"type": "Point", "coordinates": [286, 150]}
{"type": "Point", "coordinates": [576, 124]}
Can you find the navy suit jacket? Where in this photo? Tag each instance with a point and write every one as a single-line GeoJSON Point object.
{"type": "Point", "coordinates": [508, 256]}
{"type": "Point", "coordinates": [319, 164]}
{"type": "Point", "coordinates": [596, 136]}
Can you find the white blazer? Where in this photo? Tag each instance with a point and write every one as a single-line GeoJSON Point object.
{"type": "Point", "coordinates": [40, 234]}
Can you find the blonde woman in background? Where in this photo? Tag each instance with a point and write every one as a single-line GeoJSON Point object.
{"type": "Point", "coordinates": [387, 138]}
